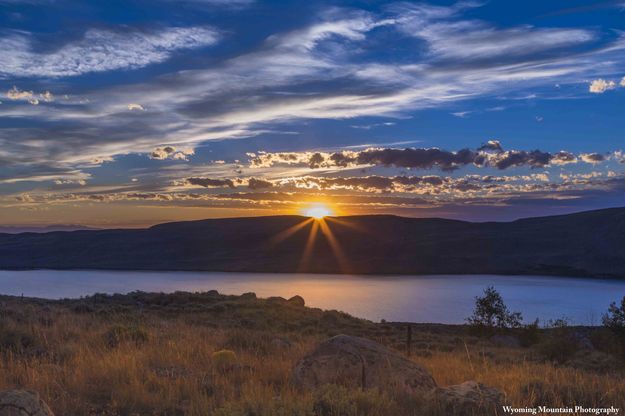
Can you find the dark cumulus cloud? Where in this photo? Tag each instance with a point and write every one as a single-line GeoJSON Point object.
{"type": "Point", "coordinates": [563, 157]}
{"type": "Point", "coordinates": [401, 158]}
{"type": "Point", "coordinates": [593, 157]}
{"type": "Point", "coordinates": [490, 154]}
{"type": "Point", "coordinates": [211, 183]}
{"type": "Point", "coordinates": [252, 183]}
{"type": "Point", "coordinates": [255, 183]}
{"type": "Point", "coordinates": [534, 159]}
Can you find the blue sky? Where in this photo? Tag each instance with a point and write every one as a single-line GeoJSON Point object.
{"type": "Point", "coordinates": [131, 113]}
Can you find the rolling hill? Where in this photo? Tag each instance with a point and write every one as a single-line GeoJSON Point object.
{"type": "Point", "coordinates": [589, 243]}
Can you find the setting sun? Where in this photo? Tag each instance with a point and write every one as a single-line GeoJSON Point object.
{"type": "Point", "coordinates": [318, 211]}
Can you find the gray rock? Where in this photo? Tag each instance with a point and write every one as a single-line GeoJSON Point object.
{"type": "Point", "coordinates": [467, 399]}
{"type": "Point", "coordinates": [360, 363]}
{"type": "Point", "coordinates": [22, 403]}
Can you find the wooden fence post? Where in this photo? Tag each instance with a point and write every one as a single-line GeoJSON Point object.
{"type": "Point", "coordinates": [408, 339]}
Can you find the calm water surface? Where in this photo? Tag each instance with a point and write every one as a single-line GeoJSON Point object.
{"type": "Point", "coordinates": [444, 299]}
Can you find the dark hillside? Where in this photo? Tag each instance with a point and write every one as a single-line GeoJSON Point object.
{"type": "Point", "coordinates": [587, 243]}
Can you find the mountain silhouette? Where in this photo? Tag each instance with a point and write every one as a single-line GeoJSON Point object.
{"type": "Point", "coordinates": [586, 244]}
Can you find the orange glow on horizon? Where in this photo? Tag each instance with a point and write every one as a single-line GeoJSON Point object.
{"type": "Point", "coordinates": [318, 211]}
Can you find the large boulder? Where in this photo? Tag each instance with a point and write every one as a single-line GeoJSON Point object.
{"type": "Point", "coordinates": [22, 403]}
{"type": "Point", "coordinates": [360, 363]}
{"type": "Point", "coordinates": [467, 399]}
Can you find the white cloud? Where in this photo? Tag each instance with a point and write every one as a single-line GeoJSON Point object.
{"type": "Point", "coordinates": [14, 94]}
{"type": "Point", "coordinates": [461, 114]}
{"type": "Point", "coordinates": [98, 50]}
{"type": "Point", "coordinates": [60, 181]}
{"type": "Point", "coordinates": [134, 106]}
{"type": "Point", "coordinates": [622, 83]}
{"type": "Point", "coordinates": [599, 86]}
{"type": "Point", "coordinates": [170, 152]}
{"type": "Point", "coordinates": [47, 96]}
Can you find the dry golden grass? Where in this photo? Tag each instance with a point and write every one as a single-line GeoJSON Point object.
{"type": "Point", "coordinates": [156, 360]}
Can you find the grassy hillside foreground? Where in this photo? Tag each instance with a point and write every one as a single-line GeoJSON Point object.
{"type": "Point", "coordinates": [153, 354]}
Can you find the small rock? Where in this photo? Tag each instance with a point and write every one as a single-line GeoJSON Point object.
{"type": "Point", "coordinates": [505, 341]}
{"type": "Point", "coordinates": [467, 399]}
{"type": "Point", "coordinates": [297, 300]}
{"type": "Point", "coordinates": [23, 403]}
{"type": "Point", "coordinates": [248, 296]}
{"type": "Point", "coordinates": [360, 363]}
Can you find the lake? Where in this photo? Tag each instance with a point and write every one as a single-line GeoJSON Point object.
{"type": "Point", "coordinates": [443, 299]}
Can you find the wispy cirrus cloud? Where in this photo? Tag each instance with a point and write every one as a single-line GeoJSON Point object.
{"type": "Point", "coordinates": [98, 50]}
{"type": "Point", "coordinates": [231, 4]}
{"type": "Point", "coordinates": [450, 38]}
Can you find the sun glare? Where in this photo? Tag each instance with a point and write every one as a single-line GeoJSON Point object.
{"type": "Point", "coordinates": [318, 212]}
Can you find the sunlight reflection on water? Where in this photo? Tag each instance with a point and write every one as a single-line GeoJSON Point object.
{"type": "Point", "coordinates": [444, 299]}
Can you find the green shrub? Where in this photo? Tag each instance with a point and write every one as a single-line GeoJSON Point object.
{"type": "Point", "coordinates": [530, 334]}
{"type": "Point", "coordinates": [603, 339]}
{"type": "Point", "coordinates": [559, 346]}
{"type": "Point", "coordinates": [614, 320]}
{"type": "Point", "coordinates": [17, 340]}
{"type": "Point", "coordinates": [491, 312]}
{"type": "Point", "coordinates": [223, 359]}
{"type": "Point", "coordinates": [82, 307]}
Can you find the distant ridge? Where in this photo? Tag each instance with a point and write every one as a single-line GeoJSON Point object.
{"type": "Point", "coordinates": [17, 229]}
{"type": "Point", "coordinates": [589, 243]}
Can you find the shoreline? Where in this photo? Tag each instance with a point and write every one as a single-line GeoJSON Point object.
{"type": "Point", "coordinates": [419, 299]}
